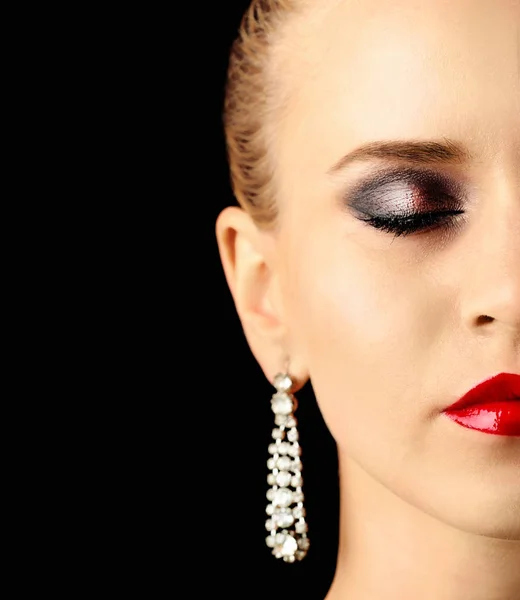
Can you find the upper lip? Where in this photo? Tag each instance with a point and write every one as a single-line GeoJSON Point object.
{"type": "Point", "coordinates": [504, 387]}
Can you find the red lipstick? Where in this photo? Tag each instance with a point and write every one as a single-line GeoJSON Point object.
{"type": "Point", "coordinates": [493, 406]}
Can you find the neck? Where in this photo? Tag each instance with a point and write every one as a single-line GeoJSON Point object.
{"type": "Point", "coordinates": [391, 550]}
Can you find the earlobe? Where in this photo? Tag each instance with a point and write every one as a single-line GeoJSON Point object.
{"type": "Point", "coordinates": [247, 255]}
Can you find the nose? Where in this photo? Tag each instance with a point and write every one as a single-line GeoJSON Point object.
{"type": "Point", "coordinates": [492, 269]}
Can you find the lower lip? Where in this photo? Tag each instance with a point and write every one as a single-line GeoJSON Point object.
{"type": "Point", "coordinates": [498, 418]}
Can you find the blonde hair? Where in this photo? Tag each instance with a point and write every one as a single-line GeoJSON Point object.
{"type": "Point", "coordinates": [250, 102]}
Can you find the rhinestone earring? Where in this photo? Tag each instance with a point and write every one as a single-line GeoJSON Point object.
{"type": "Point", "coordinates": [286, 515]}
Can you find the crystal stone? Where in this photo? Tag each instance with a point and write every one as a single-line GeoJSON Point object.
{"type": "Point", "coordinates": [278, 434]}
{"type": "Point", "coordinates": [292, 435]}
{"type": "Point", "coordinates": [296, 481]}
{"type": "Point", "coordinates": [284, 448]}
{"type": "Point", "coordinates": [284, 463]}
{"type": "Point", "coordinates": [296, 464]}
{"type": "Point", "coordinates": [283, 519]}
{"type": "Point", "coordinates": [283, 478]}
{"type": "Point", "coordinates": [303, 543]}
{"type": "Point", "coordinates": [298, 512]}
{"type": "Point", "coordinates": [280, 538]}
{"type": "Point", "coordinates": [282, 382]}
{"type": "Point", "coordinates": [289, 546]}
{"type": "Point", "coordinates": [280, 420]}
{"type": "Point", "coordinates": [282, 404]}
{"type": "Point", "coordinates": [301, 527]}
{"type": "Point", "coordinates": [282, 497]}
{"type": "Point", "coordinates": [272, 449]}
{"type": "Point", "coordinates": [294, 449]}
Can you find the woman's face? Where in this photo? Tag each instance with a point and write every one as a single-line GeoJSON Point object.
{"type": "Point", "coordinates": [394, 328]}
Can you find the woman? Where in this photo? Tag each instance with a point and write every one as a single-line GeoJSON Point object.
{"type": "Point", "coordinates": [374, 149]}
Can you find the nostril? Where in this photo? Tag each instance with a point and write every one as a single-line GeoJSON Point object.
{"type": "Point", "coordinates": [483, 319]}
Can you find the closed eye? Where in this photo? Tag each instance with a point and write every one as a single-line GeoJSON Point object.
{"type": "Point", "coordinates": [406, 224]}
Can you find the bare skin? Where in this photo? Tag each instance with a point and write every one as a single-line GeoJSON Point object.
{"type": "Point", "coordinates": [389, 329]}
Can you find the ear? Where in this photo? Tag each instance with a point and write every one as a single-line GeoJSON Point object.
{"type": "Point", "coordinates": [248, 257]}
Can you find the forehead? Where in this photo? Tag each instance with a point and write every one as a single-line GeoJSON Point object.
{"type": "Point", "coordinates": [369, 70]}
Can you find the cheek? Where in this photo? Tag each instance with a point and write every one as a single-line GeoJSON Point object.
{"type": "Point", "coordinates": [365, 328]}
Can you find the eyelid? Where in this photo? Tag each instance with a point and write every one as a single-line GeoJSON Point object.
{"type": "Point", "coordinates": [437, 184]}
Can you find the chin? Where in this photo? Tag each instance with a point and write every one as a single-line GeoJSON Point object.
{"type": "Point", "coordinates": [500, 527]}
{"type": "Point", "coordinates": [484, 510]}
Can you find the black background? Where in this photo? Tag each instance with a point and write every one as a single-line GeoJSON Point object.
{"type": "Point", "coordinates": [158, 480]}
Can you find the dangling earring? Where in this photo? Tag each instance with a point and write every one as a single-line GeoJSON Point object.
{"type": "Point", "coordinates": [286, 515]}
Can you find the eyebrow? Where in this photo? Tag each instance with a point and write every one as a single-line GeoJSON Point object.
{"type": "Point", "coordinates": [414, 151]}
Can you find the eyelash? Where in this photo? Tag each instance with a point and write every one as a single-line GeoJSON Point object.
{"type": "Point", "coordinates": [412, 223]}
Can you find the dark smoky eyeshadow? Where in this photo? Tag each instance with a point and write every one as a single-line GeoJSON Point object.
{"type": "Point", "coordinates": [438, 190]}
